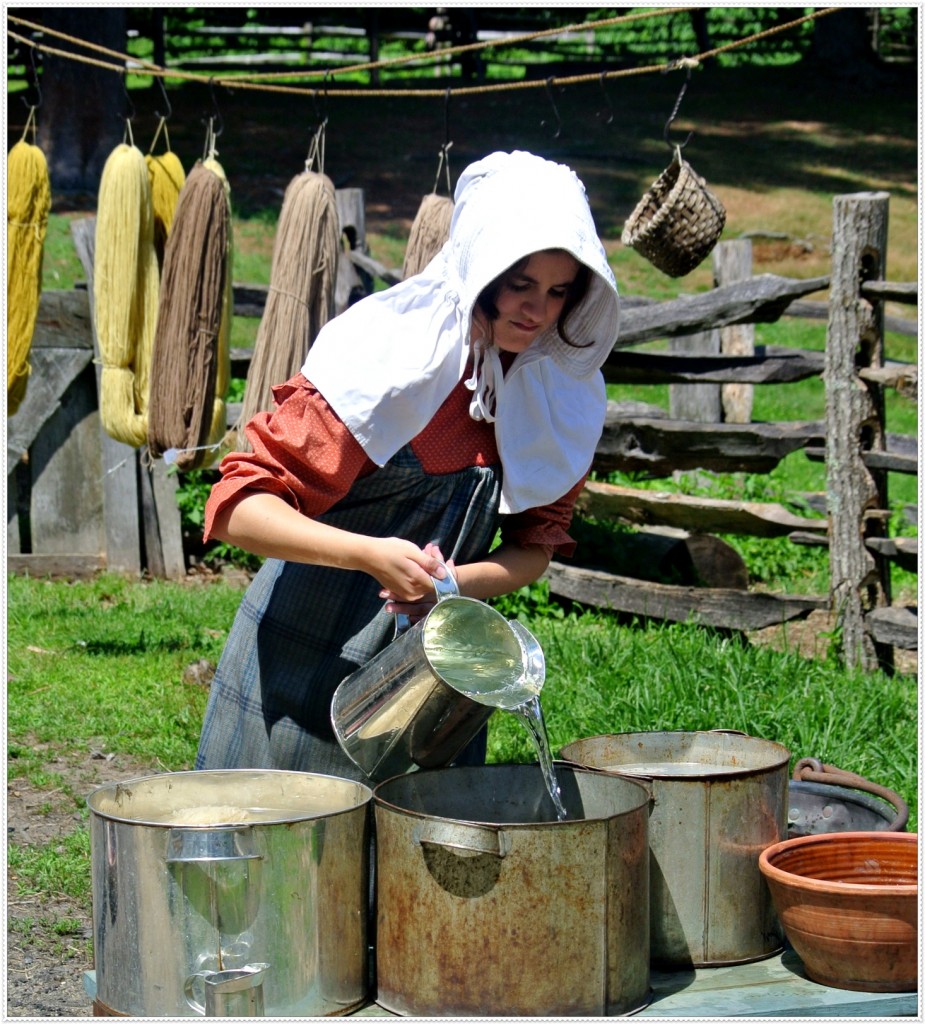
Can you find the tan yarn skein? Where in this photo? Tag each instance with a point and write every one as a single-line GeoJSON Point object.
{"type": "Point", "coordinates": [185, 369]}
{"type": "Point", "coordinates": [28, 201]}
{"type": "Point", "coordinates": [429, 231]}
{"type": "Point", "coordinates": [300, 299]}
{"type": "Point", "coordinates": [125, 290]}
{"type": "Point", "coordinates": [219, 422]}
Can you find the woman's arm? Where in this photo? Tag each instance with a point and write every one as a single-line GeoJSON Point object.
{"type": "Point", "coordinates": [266, 525]}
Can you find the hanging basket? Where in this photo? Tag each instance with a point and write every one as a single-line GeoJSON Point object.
{"type": "Point", "coordinates": [677, 222]}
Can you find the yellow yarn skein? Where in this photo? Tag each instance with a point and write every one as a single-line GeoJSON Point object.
{"type": "Point", "coordinates": [125, 290]}
{"type": "Point", "coordinates": [167, 179]}
{"type": "Point", "coordinates": [28, 202]}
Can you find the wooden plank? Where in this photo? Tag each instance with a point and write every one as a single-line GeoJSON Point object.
{"type": "Point", "coordinates": [903, 551]}
{"type": "Point", "coordinates": [760, 299]}
{"type": "Point", "coordinates": [775, 987]}
{"type": "Point", "coordinates": [63, 320]}
{"type": "Point", "coordinates": [891, 291]}
{"type": "Point", "coordinates": [769, 365]}
{"type": "Point", "coordinates": [895, 626]}
{"type": "Point", "coordinates": [119, 462]}
{"type": "Point", "coordinates": [53, 371]}
{"type": "Point", "coordinates": [719, 608]}
{"type": "Point", "coordinates": [659, 447]}
{"type": "Point", "coordinates": [703, 515]}
{"type": "Point", "coordinates": [66, 501]}
{"type": "Point", "coordinates": [901, 455]}
{"type": "Point", "coordinates": [808, 310]}
{"type": "Point", "coordinates": [65, 566]}
{"type": "Point", "coordinates": [904, 377]}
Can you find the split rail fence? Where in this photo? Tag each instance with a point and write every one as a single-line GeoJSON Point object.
{"type": "Point", "coordinates": [80, 502]}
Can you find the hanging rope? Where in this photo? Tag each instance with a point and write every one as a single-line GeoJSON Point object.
{"type": "Point", "coordinates": [189, 369]}
{"type": "Point", "coordinates": [300, 299]}
{"type": "Point", "coordinates": [125, 290]}
{"type": "Point", "coordinates": [167, 179]}
{"type": "Point", "coordinates": [28, 202]}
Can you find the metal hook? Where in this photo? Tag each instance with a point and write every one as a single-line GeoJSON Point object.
{"type": "Point", "coordinates": [443, 163]}
{"type": "Point", "coordinates": [609, 118]}
{"type": "Point", "coordinates": [128, 99]}
{"type": "Point", "coordinates": [157, 113]}
{"type": "Point", "coordinates": [216, 114]}
{"type": "Point", "coordinates": [688, 65]}
{"type": "Point", "coordinates": [446, 119]}
{"type": "Point", "coordinates": [33, 82]}
{"type": "Point", "coordinates": [555, 109]}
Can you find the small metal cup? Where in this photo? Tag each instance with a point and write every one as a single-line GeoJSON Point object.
{"type": "Point", "coordinates": [234, 993]}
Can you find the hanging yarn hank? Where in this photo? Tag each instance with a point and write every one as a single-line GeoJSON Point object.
{"type": "Point", "coordinates": [431, 226]}
{"type": "Point", "coordinates": [300, 299]}
{"type": "Point", "coordinates": [125, 293]}
{"type": "Point", "coordinates": [429, 231]}
{"type": "Point", "coordinates": [189, 368]}
{"type": "Point", "coordinates": [167, 180]}
{"type": "Point", "coordinates": [28, 202]}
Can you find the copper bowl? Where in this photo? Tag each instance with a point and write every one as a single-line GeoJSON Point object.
{"type": "Point", "coordinates": [848, 903]}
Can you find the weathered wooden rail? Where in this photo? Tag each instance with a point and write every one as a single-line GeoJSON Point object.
{"type": "Point", "coordinates": [79, 501]}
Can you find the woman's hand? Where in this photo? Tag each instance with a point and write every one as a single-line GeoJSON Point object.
{"type": "Point", "coordinates": [417, 608]}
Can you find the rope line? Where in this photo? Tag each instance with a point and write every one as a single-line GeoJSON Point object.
{"type": "Point", "coordinates": [255, 83]}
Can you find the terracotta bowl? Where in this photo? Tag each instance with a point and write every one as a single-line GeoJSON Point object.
{"type": "Point", "coordinates": [848, 903]}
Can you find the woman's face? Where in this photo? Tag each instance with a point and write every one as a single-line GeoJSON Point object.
{"type": "Point", "coordinates": [531, 298]}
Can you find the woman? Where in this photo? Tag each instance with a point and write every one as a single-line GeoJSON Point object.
{"type": "Point", "coordinates": [466, 398]}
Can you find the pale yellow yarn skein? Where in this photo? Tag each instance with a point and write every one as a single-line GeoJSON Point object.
{"type": "Point", "coordinates": [28, 202]}
{"type": "Point", "coordinates": [125, 291]}
{"type": "Point", "coordinates": [429, 231]}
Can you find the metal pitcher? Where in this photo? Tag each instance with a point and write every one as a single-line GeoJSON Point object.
{"type": "Point", "coordinates": [419, 701]}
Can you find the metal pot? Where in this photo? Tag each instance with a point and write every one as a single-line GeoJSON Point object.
{"type": "Point", "coordinates": [487, 904]}
{"type": "Point", "coordinates": [419, 701]}
{"type": "Point", "coordinates": [718, 799]}
{"type": "Point", "coordinates": [824, 798]}
{"type": "Point", "coordinates": [230, 889]}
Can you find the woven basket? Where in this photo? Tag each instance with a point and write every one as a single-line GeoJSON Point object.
{"type": "Point", "coordinates": [677, 222]}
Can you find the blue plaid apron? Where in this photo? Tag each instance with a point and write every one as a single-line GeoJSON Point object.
{"type": "Point", "coordinates": [301, 629]}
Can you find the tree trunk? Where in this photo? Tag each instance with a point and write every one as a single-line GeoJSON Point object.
{"type": "Point", "coordinates": [83, 107]}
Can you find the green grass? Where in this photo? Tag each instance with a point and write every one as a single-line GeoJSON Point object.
{"type": "Point", "coordinates": [76, 652]}
{"type": "Point", "coordinates": [605, 678]}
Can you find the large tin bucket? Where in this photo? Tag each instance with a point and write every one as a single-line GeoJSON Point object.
{"type": "Point", "coordinates": [210, 881]}
{"type": "Point", "coordinates": [488, 905]}
{"type": "Point", "coordinates": [718, 799]}
{"type": "Point", "coordinates": [419, 701]}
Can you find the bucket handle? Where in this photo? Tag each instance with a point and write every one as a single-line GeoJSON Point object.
{"type": "Point", "coordinates": [809, 769]}
{"type": "Point", "coordinates": [447, 587]}
{"type": "Point", "coordinates": [463, 837]}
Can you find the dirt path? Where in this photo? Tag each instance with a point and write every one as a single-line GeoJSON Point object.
{"type": "Point", "coordinates": [49, 940]}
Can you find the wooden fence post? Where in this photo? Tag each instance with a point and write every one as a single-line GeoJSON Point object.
{"type": "Point", "coordinates": [732, 261]}
{"type": "Point", "coordinates": [854, 422]}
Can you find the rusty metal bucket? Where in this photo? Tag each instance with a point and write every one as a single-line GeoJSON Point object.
{"type": "Point", "coordinates": [718, 799]}
{"type": "Point", "coordinates": [488, 905]}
